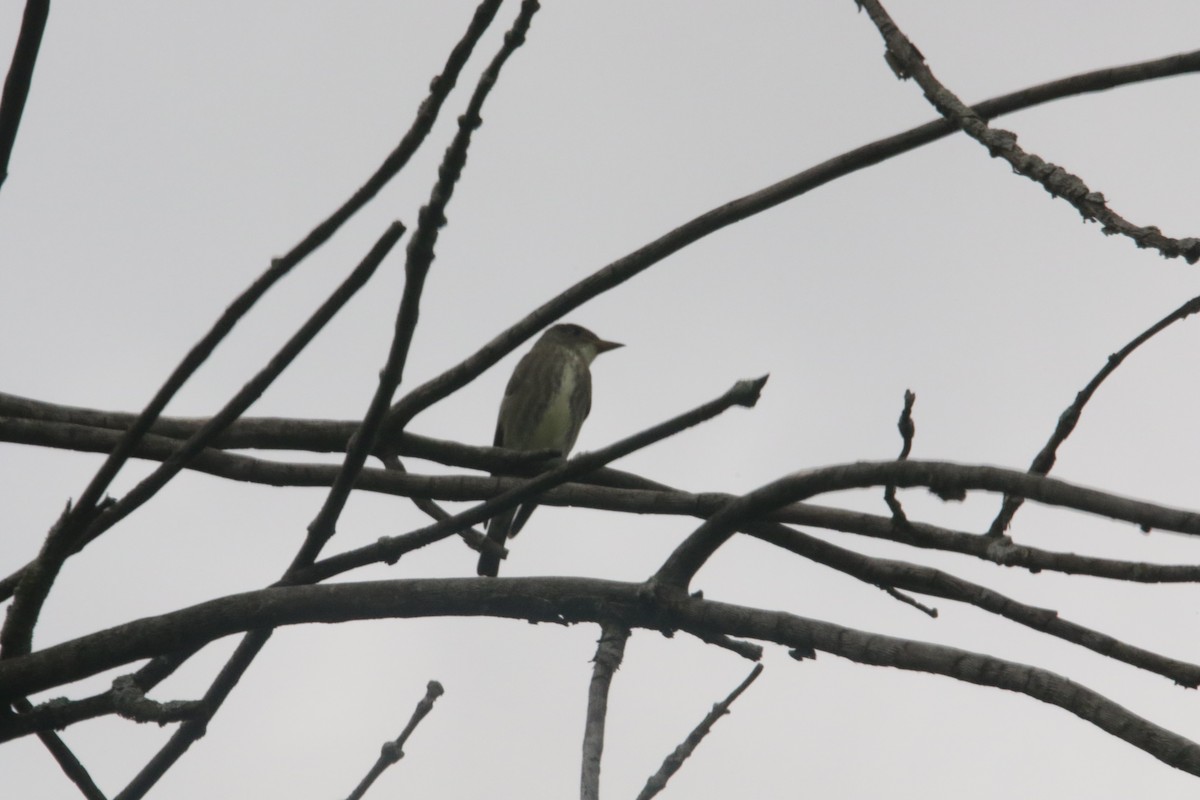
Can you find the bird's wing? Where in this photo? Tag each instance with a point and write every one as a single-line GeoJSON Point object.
{"type": "Point", "coordinates": [581, 401]}
{"type": "Point", "coordinates": [521, 377]}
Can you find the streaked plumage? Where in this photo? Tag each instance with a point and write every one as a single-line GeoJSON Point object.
{"type": "Point", "coordinates": [547, 399]}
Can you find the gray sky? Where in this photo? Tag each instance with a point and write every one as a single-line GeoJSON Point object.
{"type": "Point", "coordinates": [169, 152]}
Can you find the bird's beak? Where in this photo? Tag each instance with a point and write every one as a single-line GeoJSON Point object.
{"type": "Point", "coordinates": [603, 346]}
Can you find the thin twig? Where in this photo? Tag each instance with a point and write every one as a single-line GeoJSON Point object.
{"type": "Point", "coordinates": [393, 751]}
{"type": "Point", "coordinates": [907, 62]}
{"type": "Point", "coordinates": [474, 539]}
{"type": "Point", "coordinates": [658, 781]}
{"type": "Point", "coordinates": [747, 650]}
{"type": "Point", "coordinates": [907, 430]}
{"type": "Point", "coordinates": [610, 650]}
{"type": "Point", "coordinates": [1043, 462]}
{"type": "Point", "coordinates": [903, 598]}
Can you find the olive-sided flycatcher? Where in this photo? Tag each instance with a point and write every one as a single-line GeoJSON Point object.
{"type": "Point", "coordinates": [548, 397]}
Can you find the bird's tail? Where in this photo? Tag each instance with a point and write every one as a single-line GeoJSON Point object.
{"type": "Point", "coordinates": [497, 531]}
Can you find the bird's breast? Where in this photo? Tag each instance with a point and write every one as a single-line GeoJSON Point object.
{"type": "Point", "coordinates": [555, 425]}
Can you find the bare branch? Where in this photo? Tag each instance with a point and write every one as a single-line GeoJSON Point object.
{"type": "Point", "coordinates": [903, 598]}
{"type": "Point", "coordinates": [1044, 461]}
{"type": "Point", "coordinates": [393, 751]}
{"type": "Point", "coordinates": [741, 208]}
{"type": "Point", "coordinates": [426, 116]}
{"type": "Point", "coordinates": [20, 76]}
{"type": "Point", "coordinates": [64, 540]}
{"type": "Point", "coordinates": [891, 576]}
{"type": "Point", "coordinates": [321, 529]}
{"type": "Point", "coordinates": [653, 498]}
{"type": "Point", "coordinates": [67, 760]}
{"type": "Point", "coordinates": [431, 218]}
{"type": "Point", "coordinates": [131, 702]}
{"type": "Point", "coordinates": [196, 726]}
{"type": "Point", "coordinates": [569, 600]}
{"type": "Point", "coordinates": [943, 479]}
{"type": "Point", "coordinates": [474, 539]}
{"type": "Point", "coordinates": [658, 781]}
{"type": "Point", "coordinates": [907, 62]}
{"type": "Point", "coordinates": [610, 650]}
{"type": "Point", "coordinates": [907, 430]}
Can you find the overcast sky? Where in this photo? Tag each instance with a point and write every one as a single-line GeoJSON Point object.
{"type": "Point", "coordinates": [169, 151]}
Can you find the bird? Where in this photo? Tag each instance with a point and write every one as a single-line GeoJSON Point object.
{"type": "Point", "coordinates": [545, 403]}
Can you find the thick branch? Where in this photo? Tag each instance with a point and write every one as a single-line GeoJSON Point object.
{"type": "Point", "coordinates": [945, 479]}
{"type": "Point", "coordinates": [655, 499]}
{"type": "Point", "coordinates": [569, 600]}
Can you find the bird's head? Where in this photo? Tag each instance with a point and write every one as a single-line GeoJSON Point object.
{"type": "Point", "coordinates": [588, 344]}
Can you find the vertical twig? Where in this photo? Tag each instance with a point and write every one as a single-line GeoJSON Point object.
{"type": "Point", "coordinates": [609, 652]}
{"type": "Point", "coordinates": [907, 430]}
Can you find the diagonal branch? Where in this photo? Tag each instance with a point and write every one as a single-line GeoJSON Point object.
{"type": "Point", "coordinates": [1044, 461]}
{"type": "Point", "coordinates": [658, 781]}
{"type": "Point", "coordinates": [420, 257]}
{"type": "Point", "coordinates": [764, 199]}
{"type": "Point", "coordinates": [84, 508]}
{"type": "Point", "coordinates": [20, 76]}
{"type": "Point", "coordinates": [393, 751]}
{"type": "Point", "coordinates": [63, 541]}
{"type": "Point", "coordinates": [68, 762]}
{"type": "Point", "coordinates": [907, 62]}
{"type": "Point", "coordinates": [891, 574]}
{"type": "Point", "coordinates": [431, 218]}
